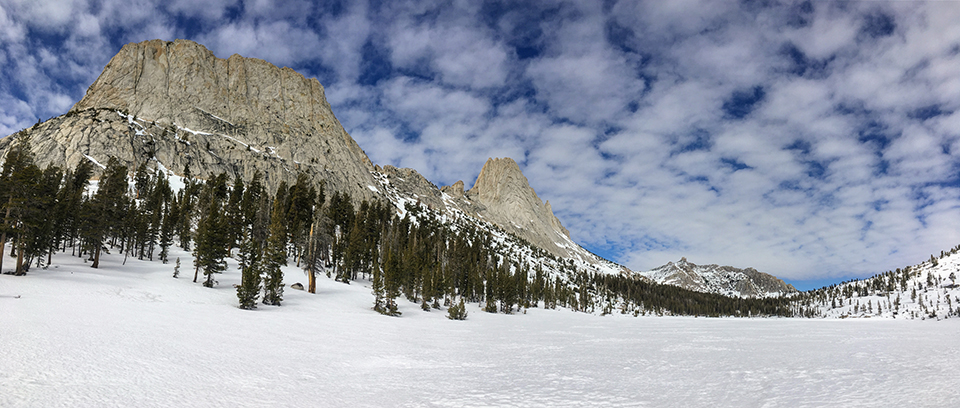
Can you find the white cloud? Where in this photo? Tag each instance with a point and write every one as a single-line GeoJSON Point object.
{"type": "Point", "coordinates": [278, 41]}
{"type": "Point", "coordinates": [10, 30]}
{"type": "Point", "coordinates": [345, 39]}
{"type": "Point", "coordinates": [211, 10]}
{"type": "Point", "coordinates": [621, 117]}
{"type": "Point", "coordinates": [460, 55]}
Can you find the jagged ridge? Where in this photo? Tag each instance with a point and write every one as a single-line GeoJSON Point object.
{"type": "Point", "coordinates": [723, 280]}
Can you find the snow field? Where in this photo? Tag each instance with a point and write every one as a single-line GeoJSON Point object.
{"type": "Point", "coordinates": [134, 336]}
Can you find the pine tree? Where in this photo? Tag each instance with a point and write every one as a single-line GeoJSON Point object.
{"type": "Point", "coordinates": [391, 283]}
{"type": "Point", "coordinates": [457, 311]}
{"type": "Point", "coordinates": [234, 214]}
{"type": "Point", "coordinates": [104, 215]}
{"type": "Point", "coordinates": [168, 228]}
{"type": "Point", "coordinates": [275, 257]}
{"type": "Point", "coordinates": [491, 291]}
{"type": "Point", "coordinates": [250, 268]}
{"type": "Point", "coordinates": [212, 247]}
{"type": "Point", "coordinates": [379, 303]}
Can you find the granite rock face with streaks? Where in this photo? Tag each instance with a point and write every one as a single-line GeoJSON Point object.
{"type": "Point", "coordinates": [236, 115]}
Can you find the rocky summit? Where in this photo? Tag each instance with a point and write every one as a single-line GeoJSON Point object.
{"type": "Point", "coordinates": [510, 202]}
{"type": "Point", "coordinates": [177, 102]}
{"type": "Point", "coordinates": [722, 280]}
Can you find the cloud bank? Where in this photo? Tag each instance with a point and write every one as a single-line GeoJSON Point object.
{"type": "Point", "coordinates": [811, 140]}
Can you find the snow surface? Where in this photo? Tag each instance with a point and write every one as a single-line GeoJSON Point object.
{"type": "Point", "coordinates": [938, 300]}
{"type": "Point", "coordinates": [134, 336]}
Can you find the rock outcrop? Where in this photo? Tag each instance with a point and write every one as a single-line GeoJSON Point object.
{"type": "Point", "coordinates": [723, 280]}
{"type": "Point", "coordinates": [236, 115]}
{"type": "Point", "coordinates": [508, 201]}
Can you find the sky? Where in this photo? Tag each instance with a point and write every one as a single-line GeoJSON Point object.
{"type": "Point", "coordinates": [816, 141]}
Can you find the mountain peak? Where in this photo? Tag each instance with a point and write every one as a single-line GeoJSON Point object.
{"type": "Point", "coordinates": [180, 103]}
{"type": "Point", "coordinates": [499, 179]}
{"type": "Point", "coordinates": [511, 203]}
{"type": "Point", "coordinates": [724, 280]}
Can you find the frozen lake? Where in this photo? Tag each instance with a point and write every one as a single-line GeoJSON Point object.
{"type": "Point", "coordinates": [137, 337]}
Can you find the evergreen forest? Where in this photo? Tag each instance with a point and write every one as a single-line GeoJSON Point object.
{"type": "Point", "coordinates": [411, 254]}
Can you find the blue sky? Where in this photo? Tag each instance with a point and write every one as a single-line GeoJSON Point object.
{"type": "Point", "coordinates": [817, 141]}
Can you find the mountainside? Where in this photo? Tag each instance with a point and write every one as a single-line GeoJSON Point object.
{"type": "Point", "coordinates": [723, 280]}
{"type": "Point", "coordinates": [928, 290]}
{"type": "Point", "coordinates": [178, 103]}
{"type": "Point", "coordinates": [176, 106]}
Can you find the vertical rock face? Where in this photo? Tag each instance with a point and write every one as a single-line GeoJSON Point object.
{"type": "Point", "coordinates": [236, 115]}
{"type": "Point", "coordinates": [510, 202]}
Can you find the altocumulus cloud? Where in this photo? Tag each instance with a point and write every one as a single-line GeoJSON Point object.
{"type": "Point", "coordinates": [812, 140]}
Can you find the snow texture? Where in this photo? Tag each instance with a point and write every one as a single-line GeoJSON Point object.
{"type": "Point", "coordinates": [134, 336]}
{"type": "Point", "coordinates": [929, 293]}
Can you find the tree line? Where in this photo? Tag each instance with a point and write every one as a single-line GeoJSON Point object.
{"type": "Point", "coordinates": [412, 252]}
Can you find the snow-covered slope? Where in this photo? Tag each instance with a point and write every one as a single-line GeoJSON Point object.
{"type": "Point", "coordinates": [131, 335]}
{"type": "Point", "coordinates": [722, 280]}
{"type": "Point", "coordinates": [450, 211]}
{"type": "Point", "coordinates": [929, 290]}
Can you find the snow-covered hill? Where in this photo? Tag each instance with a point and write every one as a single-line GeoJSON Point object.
{"type": "Point", "coordinates": [721, 280]}
{"type": "Point", "coordinates": [131, 335]}
{"type": "Point", "coordinates": [928, 290]}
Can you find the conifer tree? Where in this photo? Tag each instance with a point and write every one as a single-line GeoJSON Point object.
{"type": "Point", "coordinates": [379, 302]}
{"type": "Point", "coordinates": [275, 256]}
{"type": "Point", "coordinates": [257, 212]}
{"type": "Point", "coordinates": [457, 311]}
{"type": "Point", "coordinates": [69, 202]}
{"type": "Point", "coordinates": [104, 215]}
{"type": "Point", "coordinates": [234, 214]}
{"type": "Point", "coordinates": [167, 228]}
{"type": "Point", "coordinates": [385, 300]}
{"type": "Point", "coordinates": [250, 268]}
{"type": "Point", "coordinates": [212, 247]}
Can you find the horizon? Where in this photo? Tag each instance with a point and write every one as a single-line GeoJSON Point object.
{"type": "Point", "coordinates": [810, 141]}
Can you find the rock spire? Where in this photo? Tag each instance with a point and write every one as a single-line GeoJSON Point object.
{"type": "Point", "coordinates": [509, 201]}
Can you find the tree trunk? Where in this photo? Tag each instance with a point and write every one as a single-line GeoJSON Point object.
{"type": "Point", "coordinates": [3, 243]}
{"type": "Point", "coordinates": [20, 271]}
{"type": "Point", "coordinates": [96, 256]}
{"type": "Point", "coordinates": [196, 272]}
{"type": "Point", "coordinates": [312, 263]}
{"type": "Point", "coordinates": [3, 237]}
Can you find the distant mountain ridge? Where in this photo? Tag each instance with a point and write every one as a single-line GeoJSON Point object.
{"type": "Point", "coordinates": [722, 280]}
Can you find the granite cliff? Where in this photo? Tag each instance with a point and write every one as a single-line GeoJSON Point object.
{"type": "Point", "coordinates": [177, 102]}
